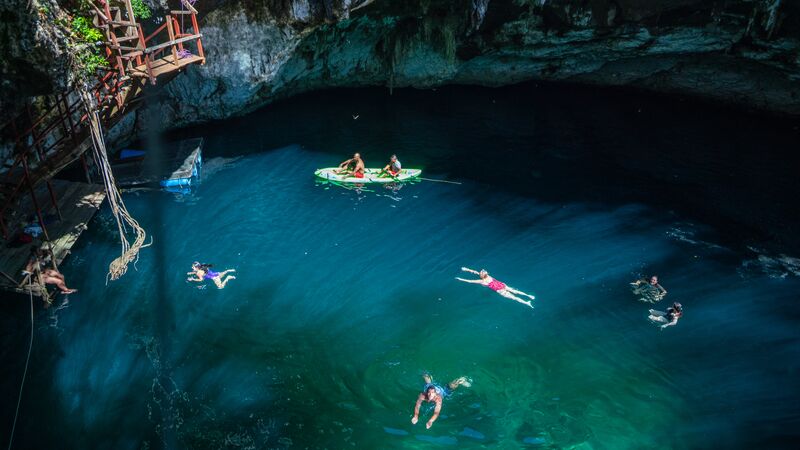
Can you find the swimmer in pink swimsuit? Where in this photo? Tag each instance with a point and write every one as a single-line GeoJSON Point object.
{"type": "Point", "coordinates": [497, 286]}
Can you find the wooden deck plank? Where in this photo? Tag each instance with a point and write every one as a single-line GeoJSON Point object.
{"type": "Point", "coordinates": [165, 65]}
{"type": "Point", "coordinates": [175, 161]}
{"type": "Point", "coordinates": [78, 203]}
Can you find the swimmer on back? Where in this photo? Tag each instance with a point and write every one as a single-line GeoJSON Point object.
{"type": "Point", "coordinates": [497, 286]}
{"type": "Point", "coordinates": [668, 318]}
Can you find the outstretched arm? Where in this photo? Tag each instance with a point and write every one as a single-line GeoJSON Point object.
{"type": "Point", "coordinates": [661, 289]}
{"type": "Point", "coordinates": [469, 281]}
{"type": "Point", "coordinates": [435, 415]}
{"type": "Point", "coordinates": [467, 269]}
{"type": "Point", "coordinates": [674, 322]}
{"type": "Point", "coordinates": [420, 398]}
{"type": "Point", "coordinates": [197, 277]}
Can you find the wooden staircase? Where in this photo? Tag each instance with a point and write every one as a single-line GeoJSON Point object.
{"type": "Point", "coordinates": [45, 145]}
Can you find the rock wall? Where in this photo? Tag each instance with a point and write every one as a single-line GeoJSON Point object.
{"type": "Point", "coordinates": [744, 52]}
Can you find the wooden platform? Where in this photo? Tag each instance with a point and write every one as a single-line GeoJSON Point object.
{"type": "Point", "coordinates": [177, 161]}
{"type": "Point", "coordinates": [78, 203]}
{"type": "Point", "coordinates": [166, 65]}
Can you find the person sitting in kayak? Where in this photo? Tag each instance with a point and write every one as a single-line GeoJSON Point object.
{"type": "Point", "coordinates": [497, 286]}
{"type": "Point", "coordinates": [650, 289]}
{"type": "Point", "coordinates": [353, 166]}
{"type": "Point", "coordinates": [394, 167]}
{"type": "Point", "coordinates": [432, 392]}
{"type": "Point", "coordinates": [203, 272]}
{"type": "Point", "coordinates": [668, 318]}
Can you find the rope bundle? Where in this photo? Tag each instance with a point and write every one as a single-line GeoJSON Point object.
{"type": "Point", "coordinates": [125, 222]}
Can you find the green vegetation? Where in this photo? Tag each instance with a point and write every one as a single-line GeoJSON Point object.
{"type": "Point", "coordinates": [140, 10]}
{"type": "Point", "coordinates": [82, 27]}
{"type": "Point", "coordinates": [90, 61]}
{"type": "Point", "coordinates": [89, 57]}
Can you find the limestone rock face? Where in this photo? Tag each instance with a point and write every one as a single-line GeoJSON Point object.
{"type": "Point", "coordinates": [745, 52]}
{"type": "Point", "coordinates": [32, 53]}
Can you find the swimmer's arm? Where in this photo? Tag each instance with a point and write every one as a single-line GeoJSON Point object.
{"type": "Point", "coordinates": [420, 398]}
{"type": "Point", "coordinates": [467, 269]}
{"type": "Point", "coordinates": [469, 281]}
{"type": "Point", "coordinates": [198, 278]}
{"type": "Point", "coordinates": [674, 322]}
{"type": "Point", "coordinates": [435, 415]}
{"type": "Point", "coordinates": [661, 289]}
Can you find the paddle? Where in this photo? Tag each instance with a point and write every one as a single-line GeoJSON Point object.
{"type": "Point", "coordinates": [440, 181]}
{"type": "Point", "coordinates": [389, 174]}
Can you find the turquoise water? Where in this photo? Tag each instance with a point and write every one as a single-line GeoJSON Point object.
{"type": "Point", "coordinates": [343, 298]}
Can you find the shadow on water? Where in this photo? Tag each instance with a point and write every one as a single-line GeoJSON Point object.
{"type": "Point", "coordinates": [165, 417]}
{"type": "Point", "coordinates": [557, 144]}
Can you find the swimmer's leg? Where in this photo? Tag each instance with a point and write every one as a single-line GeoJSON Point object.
{"type": "Point", "coordinates": [517, 291]}
{"type": "Point", "coordinates": [225, 281]}
{"type": "Point", "coordinates": [427, 378]}
{"type": "Point", "coordinates": [460, 381]}
{"type": "Point", "coordinates": [509, 295]}
{"type": "Point", "coordinates": [657, 316]}
{"type": "Point", "coordinates": [222, 274]}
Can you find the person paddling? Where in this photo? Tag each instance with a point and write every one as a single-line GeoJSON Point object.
{"type": "Point", "coordinates": [353, 166]}
{"type": "Point", "coordinates": [393, 168]}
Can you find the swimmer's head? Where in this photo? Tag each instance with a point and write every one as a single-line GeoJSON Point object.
{"type": "Point", "coordinates": [430, 393]}
{"type": "Point", "coordinates": [483, 273]}
{"type": "Point", "coordinates": [677, 306]}
{"type": "Point", "coordinates": [654, 280]}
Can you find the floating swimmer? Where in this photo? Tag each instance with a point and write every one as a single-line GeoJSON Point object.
{"type": "Point", "coordinates": [435, 393]}
{"type": "Point", "coordinates": [204, 272]}
{"type": "Point", "coordinates": [668, 318]}
{"type": "Point", "coordinates": [497, 286]}
{"type": "Point", "coordinates": [650, 291]}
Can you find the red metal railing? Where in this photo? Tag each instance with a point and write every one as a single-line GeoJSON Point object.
{"type": "Point", "coordinates": [62, 126]}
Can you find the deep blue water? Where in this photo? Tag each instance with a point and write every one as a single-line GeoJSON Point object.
{"type": "Point", "coordinates": [343, 298]}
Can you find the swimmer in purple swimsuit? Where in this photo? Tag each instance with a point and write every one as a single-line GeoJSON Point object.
{"type": "Point", "coordinates": [497, 286]}
{"type": "Point", "coordinates": [203, 272]}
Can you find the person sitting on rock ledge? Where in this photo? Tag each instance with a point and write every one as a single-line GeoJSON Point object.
{"type": "Point", "coordinates": [49, 276]}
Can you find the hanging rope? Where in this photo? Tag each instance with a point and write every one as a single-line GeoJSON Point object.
{"type": "Point", "coordinates": [25, 372]}
{"type": "Point", "coordinates": [125, 222]}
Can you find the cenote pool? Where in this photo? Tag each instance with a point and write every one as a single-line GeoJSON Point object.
{"type": "Point", "coordinates": [344, 298]}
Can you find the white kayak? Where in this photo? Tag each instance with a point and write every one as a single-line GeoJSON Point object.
{"type": "Point", "coordinates": [370, 176]}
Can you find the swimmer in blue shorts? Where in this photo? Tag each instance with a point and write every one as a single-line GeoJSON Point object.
{"type": "Point", "coordinates": [435, 393]}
